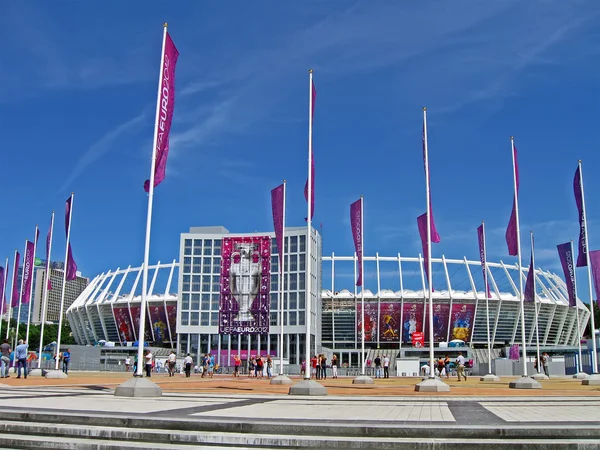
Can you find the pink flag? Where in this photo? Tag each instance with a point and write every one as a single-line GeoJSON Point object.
{"type": "Point", "coordinates": [595, 261]}
{"type": "Point", "coordinates": [277, 199]}
{"type": "Point", "coordinates": [15, 286]}
{"type": "Point", "coordinates": [577, 190]}
{"type": "Point", "coordinates": [422, 224]}
{"type": "Point", "coordinates": [482, 257]}
{"type": "Point", "coordinates": [530, 283]}
{"type": "Point", "coordinates": [312, 163]}
{"type": "Point", "coordinates": [70, 265]}
{"type": "Point", "coordinates": [565, 253]}
{"type": "Point", "coordinates": [357, 234]}
{"type": "Point", "coordinates": [2, 283]}
{"type": "Point", "coordinates": [435, 237]}
{"type": "Point", "coordinates": [48, 239]}
{"type": "Point", "coordinates": [28, 272]}
{"type": "Point", "coordinates": [165, 111]}
{"type": "Point", "coordinates": [511, 230]}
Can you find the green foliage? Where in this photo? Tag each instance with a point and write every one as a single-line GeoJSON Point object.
{"type": "Point", "coordinates": [50, 333]}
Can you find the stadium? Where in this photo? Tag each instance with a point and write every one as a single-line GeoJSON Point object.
{"type": "Point", "coordinates": [186, 316]}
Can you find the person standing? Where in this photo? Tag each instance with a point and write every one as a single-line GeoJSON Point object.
{"type": "Point", "coordinates": [460, 366]}
{"type": "Point", "coordinates": [5, 352]}
{"type": "Point", "coordinates": [188, 361]}
{"type": "Point", "coordinates": [66, 361]}
{"type": "Point", "coordinates": [386, 366]}
{"type": "Point", "coordinates": [334, 366]}
{"type": "Point", "coordinates": [171, 362]}
{"type": "Point", "coordinates": [21, 358]}
{"type": "Point", "coordinates": [148, 361]}
{"type": "Point", "coordinates": [545, 362]}
{"type": "Point", "coordinates": [127, 363]}
{"type": "Point", "coordinates": [236, 365]}
{"type": "Point", "coordinates": [323, 367]}
{"type": "Point", "coordinates": [377, 367]}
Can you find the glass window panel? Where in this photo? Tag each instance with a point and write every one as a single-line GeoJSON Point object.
{"type": "Point", "coordinates": [293, 281]}
{"type": "Point", "coordinates": [216, 283]}
{"type": "Point", "coordinates": [292, 315]}
{"type": "Point", "coordinates": [273, 320]}
{"type": "Point", "coordinates": [194, 316]}
{"type": "Point", "coordinates": [185, 301]}
{"type": "Point", "coordinates": [206, 280]}
{"type": "Point", "coordinates": [274, 301]}
{"type": "Point", "coordinates": [293, 244]}
{"type": "Point", "coordinates": [197, 261]}
{"type": "Point", "coordinates": [187, 251]}
{"type": "Point", "coordinates": [274, 247]}
{"type": "Point", "coordinates": [188, 243]}
{"type": "Point", "coordinates": [207, 247]}
{"type": "Point", "coordinates": [195, 301]}
{"type": "Point", "coordinates": [214, 303]}
{"type": "Point", "coordinates": [205, 306]}
{"type": "Point", "coordinates": [185, 318]}
{"type": "Point", "coordinates": [301, 318]}
{"type": "Point", "coordinates": [185, 286]}
{"type": "Point", "coordinates": [293, 300]}
{"type": "Point", "coordinates": [214, 318]}
{"type": "Point", "coordinates": [204, 319]}
{"type": "Point", "coordinates": [302, 243]}
{"type": "Point", "coordinates": [302, 261]}
{"type": "Point", "coordinates": [293, 262]}
{"type": "Point", "coordinates": [197, 242]}
{"type": "Point", "coordinates": [302, 280]}
{"type": "Point", "coordinates": [197, 250]}
{"type": "Point", "coordinates": [301, 301]}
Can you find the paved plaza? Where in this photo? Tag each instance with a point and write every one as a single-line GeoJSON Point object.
{"type": "Point", "coordinates": [79, 411]}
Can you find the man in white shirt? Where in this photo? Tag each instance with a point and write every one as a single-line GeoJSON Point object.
{"type": "Point", "coordinates": [171, 362]}
{"type": "Point", "coordinates": [188, 361]}
{"type": "Point", "coordinates": [149, 357]}
{"type": "Point", "coordinates": [460, 366]}
{"type": "Point", "coordinates": [386, 366]}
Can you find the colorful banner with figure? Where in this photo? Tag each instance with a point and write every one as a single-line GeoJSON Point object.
{"type": "Point", "coordinates": [28, 272]}
{"type": "Point", "coordinates": [245, 285]}
{"type": "Point", "coordinates": [135, 313]}
{"type": "Point", "coordinates": [158, 318]}
{"type": "Point", "coordinates": [389, 324]}
{"type": "Point", "coordinates": [412, 320]}
{"type": "Point", "coordinates": [172, 318]}
{"type": "Point", "coordinates": [370, 321]}
{"type": "Point", "coordinates": [462, 321]}
{"type": "Point", "coordinates": [124, 325]}
{"type": "Point", "coordinates": [14, 298]}
{"type": "Point", "coordinates": [441, 315]}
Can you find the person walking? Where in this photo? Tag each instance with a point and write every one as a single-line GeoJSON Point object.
{"type": "Point", "coordinates": [171, 363]}
{"type": "Point", "coordinates": [460, 366]}
{"type": "Point", "coordinates": [66, 361]}
{"type": "Point", "coordinates": [188, 361]}
{"type": "Point", "coordinates": [5, 356]}
{"type": "Point", "coordinates": [21, 358]}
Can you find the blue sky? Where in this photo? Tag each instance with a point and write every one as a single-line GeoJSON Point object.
{"type": "Point", "coordinates": [78, 87]}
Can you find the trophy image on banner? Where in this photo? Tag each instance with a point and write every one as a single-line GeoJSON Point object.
{"type": "Point", "coordinates": [245, 277]}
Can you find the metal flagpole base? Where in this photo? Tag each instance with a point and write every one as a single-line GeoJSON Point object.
{"type": "Point", "coordinates": [432, 385]}
{"type": "Point", "coordinates": [540, 376]}
{"type": "Point", "coordinates": [490, 378]}
{"type": "Point", "coordinates": [525, 383]}
{"type": "Point", "coordinates": [363, 379]}
{"type": "Point", "coordinates": [581, 376]}
{"type": "Point", "coordinates": [281, 379]}
{"type": "Point", "coordinates": [138, 387]}
{"type": "Point", "coordinates": [592, 380]}
{"type": "Point", "coordinates": [308, 387]}
{"type": "Point", "coordinates": [56, 374]}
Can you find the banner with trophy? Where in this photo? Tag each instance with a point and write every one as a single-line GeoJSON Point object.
{"type": "Point", "coordinates": [245, 285]}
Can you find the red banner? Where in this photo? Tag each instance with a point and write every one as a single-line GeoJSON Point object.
{"type": "Point", "coordinates": [124, 325]}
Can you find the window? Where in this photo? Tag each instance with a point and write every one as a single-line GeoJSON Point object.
{"type": "Point", "coordinates": [214, 318]}
{"type": "Point", "coordinates": [214, 303]}
{"type": "Point", "coordinates": [293, 263]}
{"type": "Point", "coordinates": [293, 244]}
{"type": "Point", "coordinates": [302, 301]}
{"type": "Point", "coordinates": [195, 302]}
{"type": "Point", "coordinates": [293, 300]}
{"type": "Point", "coordinates": [197, 242]}
{"type": "Point", "coordinates": [188, 243]}
{"type": "Point", "coordinates": [274, 250]}
{"type": "Point", "coordinates": [206, 265]}
{"type": "Point", "coordinates": [187, 263]}
{"type": "Point", "coordinates": [216, 283]}
{"type": "Point", "coordinates": [197, 250]}
{"type": "Point", "coordinates": [273, 320]}
{"type": "Point", "coordinates": [274, 301]}
{"type": "Point", "coordinates": [205, 305]}
{"type": "Point", "coordinates": [302, 280]}
{"type": "Point", "coordinates": [292, 315]}
{"type": "Point", "coordinates": [206, 279]}
{"type": "Point", "coordinates": [302, 243]}
{"type": "Point", "coordinates": [274, 282]}
{"type": "Point", "coordinates": [217, 247]}
{"type": "Point", "coordinates": [194, 318]}
{"type": "Point", "coordinates": [293, 281]}
{"type": "Point", "coordinates": [185, 318]}
{"type": "Point", "coordinates": [187, 251]}
{"type": "Point", "coordinates": [204, 319]}
{"type": "Point", "coordinates": [301, 318]}
{"type": "Point", "coordinates": [216, 265]}
{"type": "Point", "coordinates": [185, 301]}
{"type": "Point", "coordinates": [302, 258]}
{"type": "Point", "coordinates": [207, 246]}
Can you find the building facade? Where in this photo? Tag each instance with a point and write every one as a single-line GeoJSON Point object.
{"type": "Point", "coordinates": [200, 287]}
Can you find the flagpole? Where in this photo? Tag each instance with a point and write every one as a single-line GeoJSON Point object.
{"type": "Point", "coordinates": [20, 296]}
{"type": "Point", "coordinates": [487, 303]}
{"type": "Point", "coordinates": [281, 289]}
{"type": "Point", "coordinates": [309, 230]}
{"type": "Point", "coordinates": [64, 285]}
{"type": "Point", "coordinates": [535, 304]}
{"type": "Point", "coordinates": [3, 299]}
{"type": "Point", "coordinates": [45, 293]}
{"type": "Point", "coordinates": [429, 274]}
{"type": "Point", "coordinates": [12, 288]}
{"type": "Point", "coordinates": [362, 281]}
{"type": "Point", "coordinates": [31, 285]}
{"type": "Point", "coordinates": [589, 270]}
{"type": "Point", "coordinates": [141, 333]}
{"type": "Point", "coordinates": [580, 368]}
{"type": "Point", "coordinates": [512, 145]}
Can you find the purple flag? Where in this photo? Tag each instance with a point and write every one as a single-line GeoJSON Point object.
{"type": "Point", "coordinates": [70, 265]}
{"type": "Point", "coordinates": [422, 224]}
{"type": "Point", "coordinates": [48, 239]}
{"type": "Point", "coordinates": [357, 234]}
{"type": "Point", "coordinates": [565, 253]}
{"type": "Point", "coordinates": [28, 272]}
{"type": "Point", "coordinates": [482, 256]}
{"type": "Point", "coordinates": [15, 287]}
{"type": "Point", "coordinates": [530, 283]}
{"type": "Point", "coordinates": [312, 163]}
{"type": "Point", "coordinates": [581, 257]}
{"type": "Point", "coordinates": [511, 230]}
{"type": "Point", "coordinates": [435, 237]}
{"type": "Point", "coordinates": [165, 111]}
{"type": "Point", "coordinates": [277, 199]}
{"type": "Point", "coordinates": [595, 261]}
{"type": "Point", "coordinates": [2, 296]}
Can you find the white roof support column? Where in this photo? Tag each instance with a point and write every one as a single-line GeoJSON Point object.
{"type": "Point", "coordinates": [451, 295]}
{"type": "Point", "coordinates": [474, 291]}
{"type": "Point", "coordinates": [499, 303]}
{"type": "Point", "coordinates": [401, 327]}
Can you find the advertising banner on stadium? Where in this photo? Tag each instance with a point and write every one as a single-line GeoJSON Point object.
{"type": "Point", "coordinates": [441, 315]}
{"type": "Point", "coordinates": [135, 313]}
{"type": "Point", "coordinates": [412, 320]}
{"type": "Point", "coordinates": [172, 318]}
{"type": "Point", "coordinates": [462, 321]}
{"type": "Point", "coordinates": [124, 325]}
{"type": "Point", "coordinates": [245, 285]}
{"type": "Point", "coordinates": [158, 318]}
{"type": "Point", "coordinates": [370, 321]}
{"type": "Point", "coordinates": [389, 323]}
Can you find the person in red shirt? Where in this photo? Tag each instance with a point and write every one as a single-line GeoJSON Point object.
{"type": "Point", "coordinates": [313, 365]}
